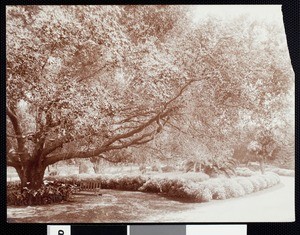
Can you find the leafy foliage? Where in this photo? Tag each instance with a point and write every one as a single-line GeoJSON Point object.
{"type": "Point", "coordinates": [49, 193]}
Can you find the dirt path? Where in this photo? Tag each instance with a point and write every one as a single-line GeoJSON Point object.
{"type": "Point", "coordinates": [275, 204]}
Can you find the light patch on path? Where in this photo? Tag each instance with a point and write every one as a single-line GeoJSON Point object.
{"type": "Point", "coordinates": [276, 204]}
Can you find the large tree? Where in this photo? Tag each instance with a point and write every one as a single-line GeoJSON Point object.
{"type": "Point", "coordinates": [78, 85]}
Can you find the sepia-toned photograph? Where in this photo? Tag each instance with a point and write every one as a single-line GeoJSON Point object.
{"type": "Point", "coordinates": [149, 114]}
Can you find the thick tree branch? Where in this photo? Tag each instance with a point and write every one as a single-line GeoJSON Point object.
{"type": "Point", "coordinates": [135, 115]}
{"type": "Point", "coordinates": [180, 92]}
{"type": "Point", "coordinates": [51, 147]}
{"type": "Point", "coordinates": [138, 129]}
{"type": "Point", "coordinates": [12, 163]}
{"type": "Point", "coordinates": [18, 130]}
{"type": "Point", "coordinates": [12, 158]}
{"type": "Point", "coordinates": [94, 73]}
{"type": "Point", "coordinates": [107, 159]}
{"type": "Point", "coordinates": [138, 140]}
{"type": "Point", "coordinates": [107, 146]}
{"type": "Point", "coordinates": [20, 136]}
{"type": "Point", "coordinates": [53, 47]}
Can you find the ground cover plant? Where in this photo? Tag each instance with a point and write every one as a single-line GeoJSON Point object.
{"type": "Point", "coordinates": [50, 192]}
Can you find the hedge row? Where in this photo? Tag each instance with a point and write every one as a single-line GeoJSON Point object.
{"type": "Point", "coordinates": [120, 182]}
{"type": "Point", "coordinates": [218, 188]}
{"type": "Point", "coordinates": [129, 183]}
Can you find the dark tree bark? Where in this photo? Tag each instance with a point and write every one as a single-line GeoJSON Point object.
{"type": "Point", "coordinates": [31, 175]}
{"type": "Point", "coordinates": [262, 166]}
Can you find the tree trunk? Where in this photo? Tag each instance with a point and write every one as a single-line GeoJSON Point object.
{"type": "Point", "coordinates": [262, 166]}
{"type": "Point", "coordinates": [97, 166]}
{"type": "Point", "coordinates": [83, 168]}
{"type": "Point", "coordinates": [97, 169]}
{"type": "Point", "coordinates": [31, 175]}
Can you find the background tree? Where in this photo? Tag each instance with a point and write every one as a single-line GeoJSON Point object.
{"type": "Point", "coordinates": [74, 78]}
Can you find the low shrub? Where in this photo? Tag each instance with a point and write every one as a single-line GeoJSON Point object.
{"type": "Point", "coordinates": [246, 184]}
{"type": "Point", "coordinates": [142, 168]}
{"type": "Point", "coordinates": [255, 182]}
{"type": "Point", "coordinates": [195, 176]}
{"type": "Point", "coordinates": [168, 169]}
{"type": "Point", "coordinates": [282, 172]}
{"type": "Point", "coordinates": [120, 182]}
{"type": "Point", "coordinates": [204, 195]}
{"type": "Point", "coordinates": [244, 171]}
{"type": "Point", "coordinates": [262, 183]}
{"type": "Point", "coordinates": [254, 166]}
{"type": "Point", "coordinates": [272, 178]}
{"type": "Point", "coordinates": [216, 189]}
{"type": "Point", "coordinates": [176, 188]}
{"type": "Point", "coordinates": [233, 189]}
{"type": "Point", "coordinates": [67, 179]}
{"type": "Point", "coordinates": [83, 168]}
{"type": "Point", "coordinates": [130, 183]}
{"type": "Point", "coordinates": [155, 168]}
{"type": "Point", "coordinates": [219, 193]}
{"type": "Point", "coordinates": [189, 166]}
{"type": "Point", "coordinates": [161, 185]}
